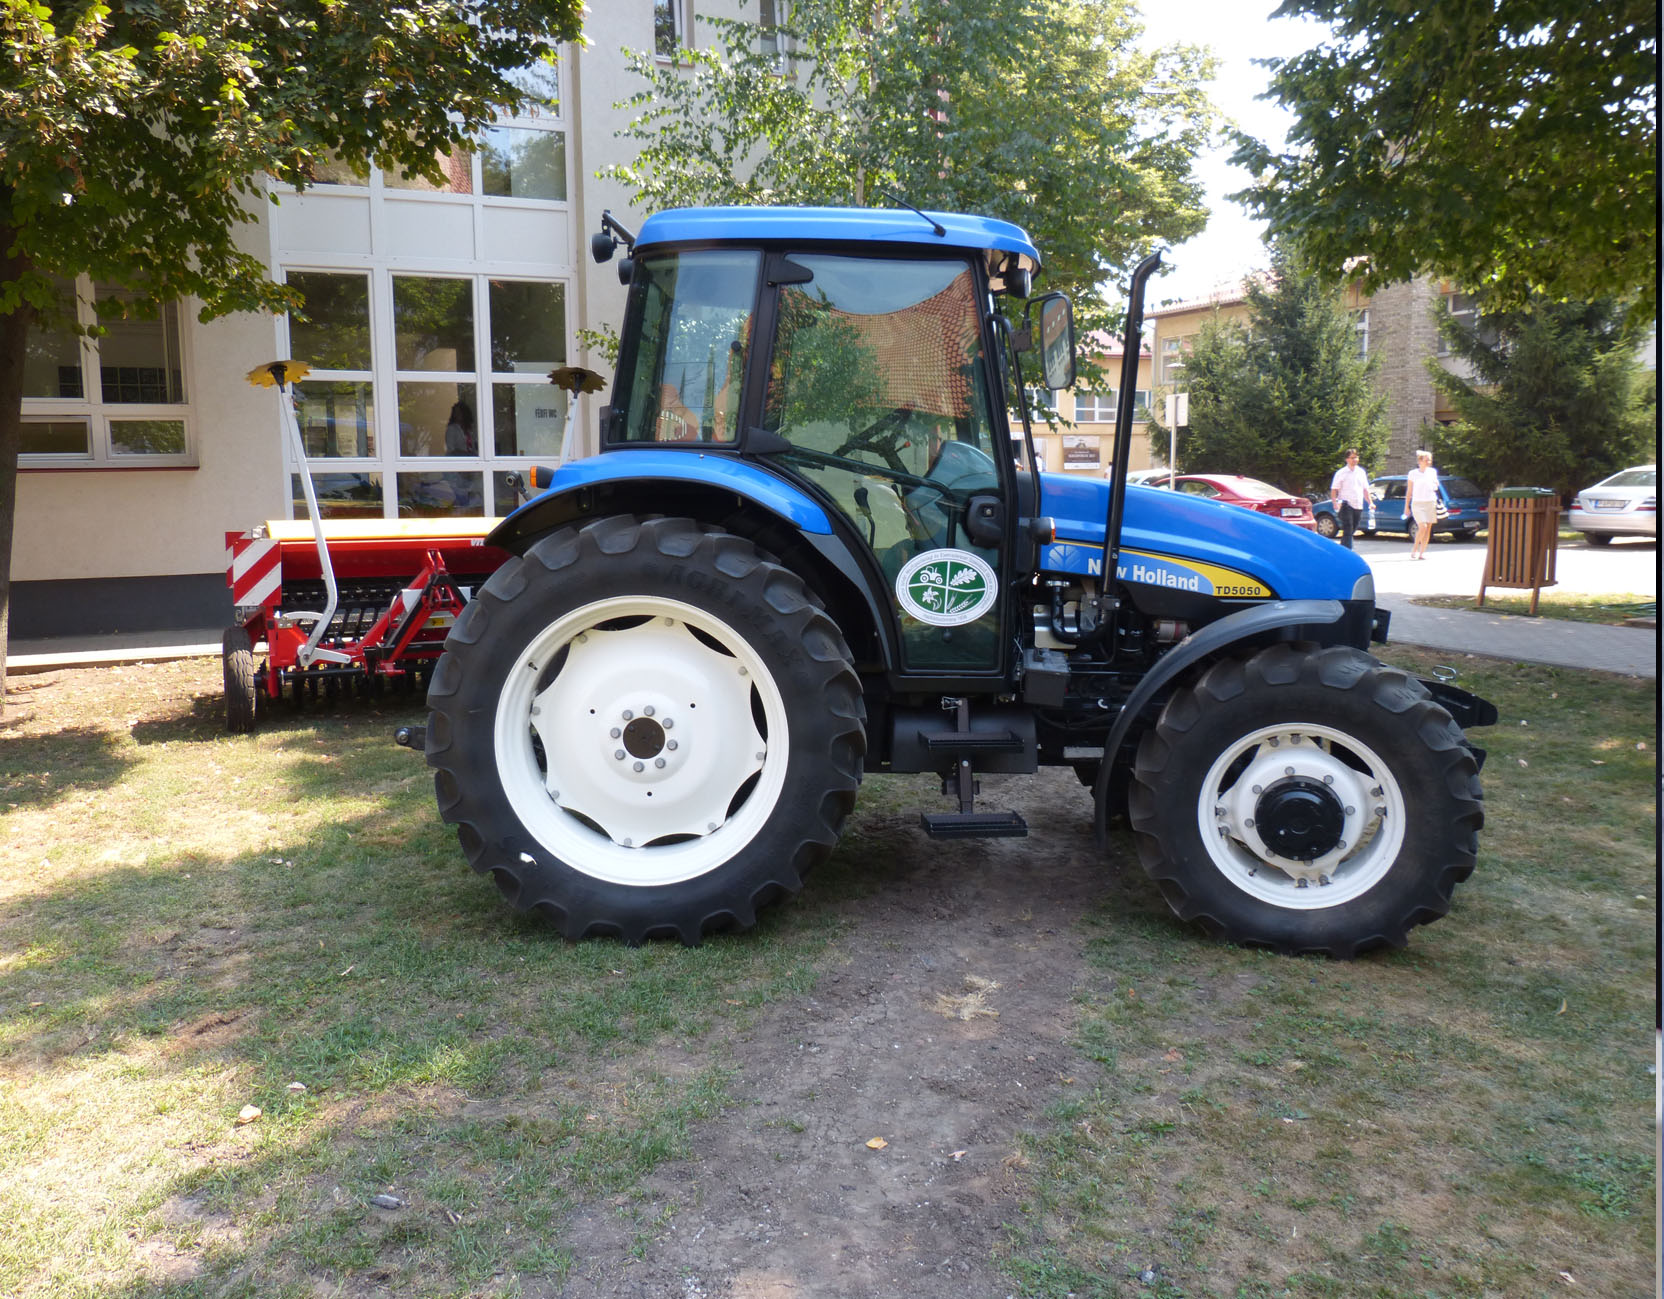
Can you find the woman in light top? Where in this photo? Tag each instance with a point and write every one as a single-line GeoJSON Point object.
{"type": "Point", "coordinates": [1421, 501]}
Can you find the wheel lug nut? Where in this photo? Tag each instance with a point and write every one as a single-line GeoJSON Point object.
{"type": "Point", "coordinates": [670, 744]}
{"type": "Point", "coordinates": [667, 723]}
{"type": "Point", "coordinates": [647, 711]}
{"type": "Point", "coordinates": [1328, 780]}
{"type": "Point", "coordinates": [628, 715]}
{"type": "Point", "coordinates": [1257, 789]}
{"type": "Point", "coordinates": [1351, 811]}
{"type": "Point", "coordinates": [619, 754]}
{"type": "Point", "coordinates": [658, 762]}
{"type": "Point", "coordinates": [1249, 823]}
{"type": "Point", "coordinates": [1288, 771]}
{"type": "Point", "coordinates": [638, 766]}
{"type": "Point", "coordinates": [615, 732]}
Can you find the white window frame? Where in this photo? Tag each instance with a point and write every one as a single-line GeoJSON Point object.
{"type": "Point", "coordinates": [681, 22]}
{"type": "Point", "coordinates": [1101, 402]}
{"type": "Point", "coordinates": [98, 414]}
{"type": "Point", "coordinates": [1360, 325]}
{"type": "Point", "coordinates": [385, 377]}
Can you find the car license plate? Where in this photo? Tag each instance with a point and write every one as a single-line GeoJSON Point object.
{"type": "Point", "coordinates": [1291, 513]}
{"type": "Point", "coordinates": [1603, 504]}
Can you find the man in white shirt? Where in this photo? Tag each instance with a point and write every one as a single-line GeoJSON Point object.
{"type": "Point", "coordinates": [1349, 494]}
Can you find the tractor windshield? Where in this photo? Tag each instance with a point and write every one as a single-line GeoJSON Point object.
{"type": "Point", "coordinates": [688, 371]}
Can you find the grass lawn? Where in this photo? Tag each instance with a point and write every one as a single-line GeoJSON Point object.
{"type": "Point", "coordinates": [1473, 1116]}
{"type": "Point", "coordinates": [192, 923]}
{"type": "Point", "coordinates": [1614, 609]}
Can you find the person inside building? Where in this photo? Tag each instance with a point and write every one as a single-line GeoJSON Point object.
{"type": "Point", "coordinates": [459, 431]}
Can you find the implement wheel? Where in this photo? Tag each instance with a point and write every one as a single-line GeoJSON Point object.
{"type": "Point", "coordinates": [645, 729]}
{"type": "Point", "coordinates": [1307, 800]}
{"type": "Point", "coordinates": [237, 657]}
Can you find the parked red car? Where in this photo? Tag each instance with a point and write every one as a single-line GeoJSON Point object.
{"type": "Point", "coordinates": [1250, 493]}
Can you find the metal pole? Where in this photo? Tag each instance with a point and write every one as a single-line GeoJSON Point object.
{"type": "Point", "coordinates": [309, 652]}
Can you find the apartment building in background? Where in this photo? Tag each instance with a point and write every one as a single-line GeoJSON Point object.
{"type": "Point", "coordinates": [1395, 325]}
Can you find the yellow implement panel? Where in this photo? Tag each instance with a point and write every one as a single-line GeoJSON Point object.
{"type": "Point", "coordinates": [379, 529]}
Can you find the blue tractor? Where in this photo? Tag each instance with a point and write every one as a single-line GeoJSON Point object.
{"type": "Point", "coordinates": [811, 547]}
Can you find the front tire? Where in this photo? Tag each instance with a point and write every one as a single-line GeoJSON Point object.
{"type": "Point", "coordinates": [1307, 801]}
{"type": "Point", "coordinates": [645, 729]}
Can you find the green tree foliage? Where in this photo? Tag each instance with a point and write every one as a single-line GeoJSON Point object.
{"type": "Point", "coordinates": [1042, 112]}
{"type": "Point", "coordinates": [1556, 397]}
{"type": "Point", "coordinates": [1509, 144]}
{"type": "Point", "coordinates": [1284, 398]}
{"type": "Point", "coordinates": [136, 135]}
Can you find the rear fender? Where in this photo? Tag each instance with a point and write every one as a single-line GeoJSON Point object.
{"type": "Point", "coordinates": [735, 496]}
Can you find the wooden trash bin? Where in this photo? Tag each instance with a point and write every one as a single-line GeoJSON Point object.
{"type": "Point", "coordinates": [1524, 532]}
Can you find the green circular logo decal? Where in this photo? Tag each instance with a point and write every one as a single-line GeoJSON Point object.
{"type": "Point", "coordinates": [946, 588]}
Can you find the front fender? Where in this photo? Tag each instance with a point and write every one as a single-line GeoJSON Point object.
{"type": "Point", "coordinates": [1239, 626]}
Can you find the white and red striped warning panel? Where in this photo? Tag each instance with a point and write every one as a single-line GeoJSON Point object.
{"type": "Point", "coordinates": [255, 570]}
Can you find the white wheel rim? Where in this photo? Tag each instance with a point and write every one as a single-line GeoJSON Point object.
{"type": "Point", "coordinates": [679, 710]}
{"type": "Point", "coordinates": [1373, 816]}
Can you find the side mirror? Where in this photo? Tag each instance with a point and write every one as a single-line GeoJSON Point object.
{"type": "Point", "coordinates": [1057, 341]}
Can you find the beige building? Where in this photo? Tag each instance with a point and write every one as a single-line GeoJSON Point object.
{"type": "Point", "coordinates": [1081, 437]}
{"type": "Point", "coordinates": [437, 314]}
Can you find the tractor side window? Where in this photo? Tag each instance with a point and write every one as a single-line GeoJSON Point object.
{"type": "Point", "coordinates": [688, 371]}
{"type": "Point", "coordinates": [877, 381]}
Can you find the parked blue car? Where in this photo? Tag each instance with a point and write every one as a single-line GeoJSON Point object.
{"type": "Point", "coordinates": [1465, 507]}
{"type": "Point", "coordinates": [1327, 517]}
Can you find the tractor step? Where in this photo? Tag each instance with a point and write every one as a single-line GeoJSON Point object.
{"type": "Point", "coordinates": [973, 742]}
{"type": "Point", "coordinates": [973, 825]}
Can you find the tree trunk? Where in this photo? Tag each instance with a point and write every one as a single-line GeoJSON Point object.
{"type": "Point", "coordinates": [14, 334]}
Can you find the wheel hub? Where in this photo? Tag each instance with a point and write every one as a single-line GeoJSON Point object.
{"type": "Point", "coordinates": [643, 738]}
{"type": "Point", "coordinates": [1300, 818]}
{"type": "Point", "coordinates": [1295, 807]}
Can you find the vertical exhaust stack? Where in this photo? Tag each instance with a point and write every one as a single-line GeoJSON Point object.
{"type": "Point", "coordinates": [1131, 341]}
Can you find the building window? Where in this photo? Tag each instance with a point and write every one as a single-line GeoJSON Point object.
{"type": "Point", "coordinates": [429, 418]}
{"type": "Point", "coordinates": [1360, 324]}
{"type": "Point", "coordinates": [1172, 359]}
{"type": "Point", "coordinates": [1094, 408]}
{"type": "Point", "coordinates": [669, 28]}
{"type": "Point", "coordinates": [1466, 311]}
{"type": "Point", "coordinates": [1042, 402]}
{"type": "Point", "coordinates": [108, 401]}
{"type": "Point", "coordinates": [770, 14]}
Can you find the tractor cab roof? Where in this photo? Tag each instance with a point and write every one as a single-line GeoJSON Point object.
{"type": "Point", "coordinates": [998, 240]}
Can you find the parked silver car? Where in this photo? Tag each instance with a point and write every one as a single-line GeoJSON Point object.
{"type": "Point", "coordinates": [1624, 505]}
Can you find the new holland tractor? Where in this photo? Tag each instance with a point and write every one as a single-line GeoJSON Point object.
{"type": "Point", "coordinates": [813, 546]}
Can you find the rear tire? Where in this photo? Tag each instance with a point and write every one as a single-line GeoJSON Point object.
{"type": "Point", "coordinates": [645, 729]}
{"type": "Point", "coordinates": [1307, 800]}
{"type": "Point", "coordinates": [1599, 538]}
{"type": "Point", "coordinates": [1326, 526]}
{"type": "Point", "coordinates": [237, 657]}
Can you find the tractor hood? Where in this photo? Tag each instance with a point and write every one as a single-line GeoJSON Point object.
{"type": "Point", "coordinates": [1197, 545]}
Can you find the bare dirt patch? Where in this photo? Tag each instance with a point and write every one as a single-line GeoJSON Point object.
{"type": "Point", "coordinates": [942, 1032]}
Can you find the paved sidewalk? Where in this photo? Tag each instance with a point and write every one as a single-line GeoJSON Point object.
{"type": "Point", "coordinates": [1629, 651]}
{"type": "Point", "coordinates": [49, 653]}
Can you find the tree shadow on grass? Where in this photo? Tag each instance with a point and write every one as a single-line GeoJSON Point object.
{"type": "Point", "coordinates": [462, 1058]}
{"type": "Point", "coordinates": [39, 770]}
